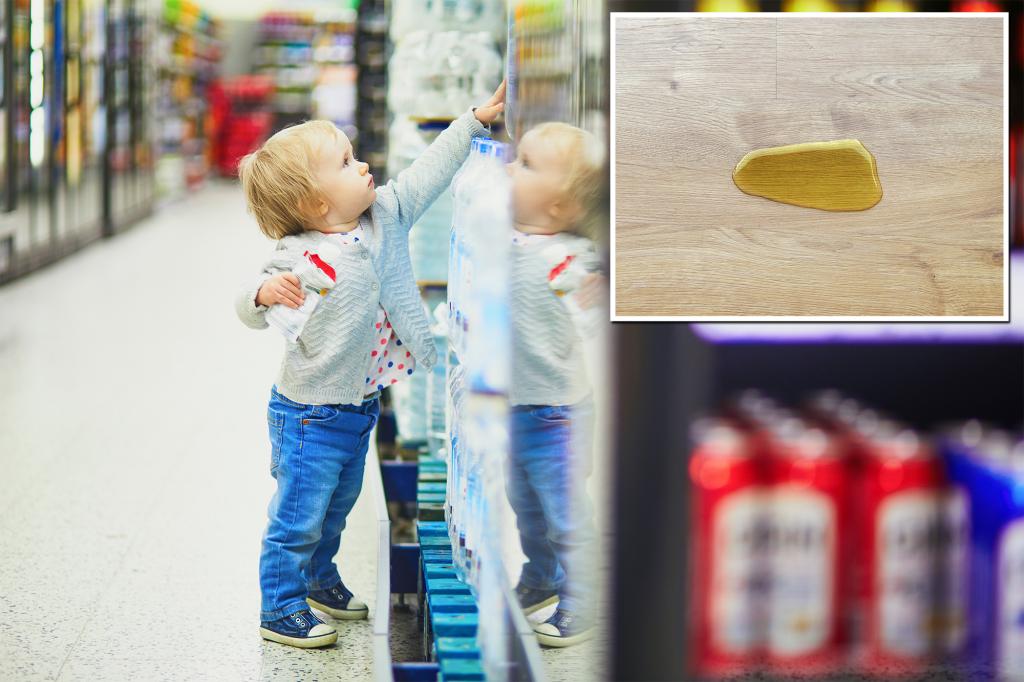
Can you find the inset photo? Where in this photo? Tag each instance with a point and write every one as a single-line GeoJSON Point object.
{"type": "Point", "coordinates": [809, 167]}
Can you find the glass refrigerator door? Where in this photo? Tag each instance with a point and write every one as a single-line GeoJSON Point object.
{"type": "Point", "coordinates": [73, 113]}
{"type": "Point", "coordinates": [5, 204]}
{"type": "Point", "coordinates": [141, 151]}
{"type": "Point", "coordinates": [93, 116]}
{"type": "Point", "coordinates": [56, 137]}
{"type": "Point", "coordinates": [38, 158]}
{"type": "Point", "coordinates": [118, 115]}
{"type": "Point", "coordinates": [20, 168]}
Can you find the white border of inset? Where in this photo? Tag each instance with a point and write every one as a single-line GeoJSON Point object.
{"type": "Point", "coordinates": [1005, 317]}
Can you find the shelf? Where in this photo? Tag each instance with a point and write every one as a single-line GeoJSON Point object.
{"type": "Point", "coordinates": [881, 332]}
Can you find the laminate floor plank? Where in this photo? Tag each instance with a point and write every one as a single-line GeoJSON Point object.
{"type": "Point", "coordinates": [695, 93]}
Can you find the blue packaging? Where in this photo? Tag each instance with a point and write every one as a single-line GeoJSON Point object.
{"type": "Point", "coordinates": [989, 470]}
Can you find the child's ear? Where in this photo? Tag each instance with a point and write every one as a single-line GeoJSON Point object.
{"type": "Point", "coordinates": [564, 211]}
{"type": "Point", "coordinates": [317, 207]}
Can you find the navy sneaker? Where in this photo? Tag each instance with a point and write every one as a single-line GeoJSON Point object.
{"type": "Point", "coordinates": [339, 602]}
{"type": "Point", "coordinates": [563, 629]}
{"type": "Point", "coordinates": [532, 599]}
{"type": "Point", "coordinates": [301, 629]}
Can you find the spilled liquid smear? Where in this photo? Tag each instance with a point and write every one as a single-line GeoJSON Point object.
{"type": "Point", "coordinates": [831, 176]}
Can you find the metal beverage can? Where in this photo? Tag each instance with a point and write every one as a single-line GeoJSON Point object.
{"type": "Point", "coordinates": [806, 550]}
{"type": "Point", "coordinates": [727, 589]}
{"type": "Point", "coordinates": [914, 544]}
{"type": "Point", "coordinates": [990, 469]}
{"type": "Point", "coordinates": [851, 426]}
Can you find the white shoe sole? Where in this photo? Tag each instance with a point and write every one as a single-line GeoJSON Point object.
{"type": "Point", "coordinates": [553, 599]}
{"type": "Point", "coordinates": [348, 614]}
{"type": "Point", "coordinates": [301, 642]}
{"type": "Point", "coordinates": [558, 642]}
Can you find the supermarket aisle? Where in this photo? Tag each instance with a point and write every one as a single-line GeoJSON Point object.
{"type": "Point", "coordinates": [135, 483]}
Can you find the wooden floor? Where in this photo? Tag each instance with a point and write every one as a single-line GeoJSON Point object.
{"type": "Point", "coordinates": [694, 93]}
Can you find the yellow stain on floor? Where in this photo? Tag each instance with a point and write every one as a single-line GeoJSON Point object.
{"type": "Point", "coordinates": [831, 176]}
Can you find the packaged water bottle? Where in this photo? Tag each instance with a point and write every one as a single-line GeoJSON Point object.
{"type": "Point", "coordinates": [487, 426]}
{"type": "Point", "coordinates": [488, 226]}
{"type": "Point", "coordinates": [317, 276]}
{"type": "Point", "coordinates": [565, 275]}
{"type": "Point", "coordinates": [463, 188]}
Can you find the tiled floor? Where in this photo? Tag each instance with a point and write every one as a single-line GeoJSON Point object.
{"type": "Point", "coordinates": [135, 470]}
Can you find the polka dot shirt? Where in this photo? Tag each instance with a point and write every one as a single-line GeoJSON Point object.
{"type": "Point", "coordinates": [389, 360]}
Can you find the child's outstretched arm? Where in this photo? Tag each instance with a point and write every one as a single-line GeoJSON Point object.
{"type": "Point", "coordinates": [275, 284]}
{"type": "Point", "coordinates": [407, 196]}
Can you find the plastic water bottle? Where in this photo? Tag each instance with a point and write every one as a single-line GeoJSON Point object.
{"type": "Point", "coordinates": [488, 227]}
{"type": "Point", "coordinates": [565, 275]}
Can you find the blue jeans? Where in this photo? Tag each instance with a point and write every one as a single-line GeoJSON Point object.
{"type": "Point", "coordinates": [317, 457]}
{"type": "Point", "coordinates": [549, 463]}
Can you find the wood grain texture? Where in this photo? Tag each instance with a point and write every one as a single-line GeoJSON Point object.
{"type": "Point", "coordinates": [695, 93]}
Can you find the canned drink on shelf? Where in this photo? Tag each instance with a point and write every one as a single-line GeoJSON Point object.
{"type": "Point", "coordinates": [990, 469]}
{"type": "Point", "coordinates": [850, 425]}
{"type": "Point", "coordinates": [976, 6]}
{"type": "Point", "coordinates": [756, 414]}
{"type": "Point", "coordinates": [728, 579]}
{"type": "Point", "coordinates": [913, 556]}
{"type": "Point", "coordinates": [1016, 223]}
{"type": "Point", "coordinates": [806, 550]}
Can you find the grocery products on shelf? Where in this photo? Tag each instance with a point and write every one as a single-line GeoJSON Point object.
{"type": "Point", "coordinates": [241, 118]}
{"type": "Point", "coordinates": [470, 16]}
{"type": "Point", "coordinates": [478, 377]}
{"type": "Point", "coordinates": [435, 73]}
{"type": "Point", "coordinates": [986, 467]}
{"type": "Point", "coordinates": [556, 65]}
{"type": "Point", "coordinates": [371, 91]}
{"type": "Point", "coordinates": [440, 75]}
{"type": "Point", "coordinates": [310, 56]}
{"type": "Point", "coordinates": [188, 53]}
{"type": "Point", "coordinates": [837, 539]}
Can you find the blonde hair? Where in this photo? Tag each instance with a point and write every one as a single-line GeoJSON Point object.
{"type": "Point", "coordinates": [278, 180]}
{"type": "Point", "coordinates": [585, 180]}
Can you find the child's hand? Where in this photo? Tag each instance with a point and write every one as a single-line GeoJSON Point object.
{"type": "Point", "coordinates": [284, 288]}
{"type": "Point", "coordinates": [591, 291]}
{"type": "Point", "coordinates": [489, 110]}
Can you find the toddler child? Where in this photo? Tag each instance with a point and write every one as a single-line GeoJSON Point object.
{"type": "Point", "coordinates": [368, 329]}
{"type": "Point", "coordinates": [556, 181]}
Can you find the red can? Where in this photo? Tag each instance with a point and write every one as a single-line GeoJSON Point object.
{"type": "Point", "coordinates": [908, 559]}
{"type": "Point", "coordinates": [850, 425]}
{"type": "Point", "coordinates": [806, 551]}
{"type": "Point", "coordinates": [728, 580]}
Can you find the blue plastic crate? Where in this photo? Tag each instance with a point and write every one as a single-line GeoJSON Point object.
{"type": "Point", "coordinates": [451, 603]}
{"type": "Point", "coordinates": [456, 647]}
{"type": "Point", "coordinates": [431, 528]}
{"type": "Point", "coordinates": [447, 586]}
{"type": "Point", "coordinates": [461, 669]}
{"type": "Point", "coordinates": [439, 572]}
{"type": "Point", "coordinates": [455, 624]}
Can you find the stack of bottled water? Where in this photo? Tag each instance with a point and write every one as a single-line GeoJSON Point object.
{"type": "Point", "coordinates": [410, 395]}
{"type": "Point", "coordinates": [472, 186]}
{"type": "Point", "coordinates": [441, 74]}
{"type": "Point", "coordinates": [446, 59]}
{"type": "Point", "coordinates": [478, 376]}
{"type": "Point", "coordinates": [437, 387]}
{"type": "Point", "coordinates": [427, 243]}
{"type": "Point", "coordinates": [409, 16]}
{"type": "Point", "coordinates": [433, 78]}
